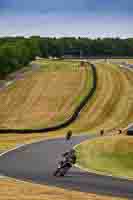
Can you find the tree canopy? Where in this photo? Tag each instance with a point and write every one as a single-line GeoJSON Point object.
{"type": "Point", "coordinates": [16, 52]}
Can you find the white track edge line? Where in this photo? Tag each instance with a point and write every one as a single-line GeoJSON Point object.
{"type": "Point", "coordinates": [13, 149]}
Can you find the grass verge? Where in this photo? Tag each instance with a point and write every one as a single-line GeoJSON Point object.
{"type": "Point", "coordinates": [15, 190]}
{"type": "Point", "coordinates": [108, 155]}
{"type": "Point", "coordinates": [8, 141]}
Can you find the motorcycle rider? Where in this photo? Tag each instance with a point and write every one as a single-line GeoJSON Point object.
{"type": "Point", "coordinates": [68, 135]}
{"type": "Point", "coordinates": [70, 157]}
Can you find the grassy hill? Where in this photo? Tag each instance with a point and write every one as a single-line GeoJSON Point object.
{"type": "Point", "coordinates": [49, 96]}
{"type": "Point", "coordinates": [112, 105]}
{"type": "Point", "coordinates": [44, 97]}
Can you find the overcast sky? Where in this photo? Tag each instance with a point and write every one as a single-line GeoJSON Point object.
{"type": "Point", "coordinates": [87, 18]}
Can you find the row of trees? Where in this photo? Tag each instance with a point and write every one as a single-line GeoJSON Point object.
{"type": "Point", "coordinates": [16, 52]}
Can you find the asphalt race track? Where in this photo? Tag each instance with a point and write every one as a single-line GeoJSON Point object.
{"type": "Point", "coordinates": [37, 162]}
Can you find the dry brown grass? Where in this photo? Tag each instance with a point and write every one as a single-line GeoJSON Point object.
{"type": "Point", "coordinates": [8, 141]}
{"type": "Point", "coordinates": [112, 105]}
{"type": "Point", "coordinates": [43, 98]}
{"type": "Point", "coordinates": [13, 190]}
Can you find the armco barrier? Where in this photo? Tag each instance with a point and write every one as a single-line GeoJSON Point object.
{"type": "Point", "coordinates": [68, 121]}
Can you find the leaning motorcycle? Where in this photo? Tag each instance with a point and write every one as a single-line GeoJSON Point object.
{"type": "Point", "coordinates": [62, 169]}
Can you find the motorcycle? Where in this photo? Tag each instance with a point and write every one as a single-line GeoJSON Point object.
{"type": "Point", "coordinates": [62, 169]}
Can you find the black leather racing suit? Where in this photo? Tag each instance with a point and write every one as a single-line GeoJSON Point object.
{"type": "Point", "coordinates": [70, 158]}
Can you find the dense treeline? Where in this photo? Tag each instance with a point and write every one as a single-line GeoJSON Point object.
{"type": "Point", "coordinates": [19, 51]}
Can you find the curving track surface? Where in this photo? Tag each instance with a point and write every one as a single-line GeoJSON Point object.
{"type": "Point", "coordinates": [36, 163]}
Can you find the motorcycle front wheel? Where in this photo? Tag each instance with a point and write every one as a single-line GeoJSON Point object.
{"type": "Point", "coordinates": [57, 172]}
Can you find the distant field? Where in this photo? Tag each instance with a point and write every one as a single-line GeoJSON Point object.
{"type": "Point", "coordinates": [45, 97]}
{"type": "Point", "coordinates": [108, 155]}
